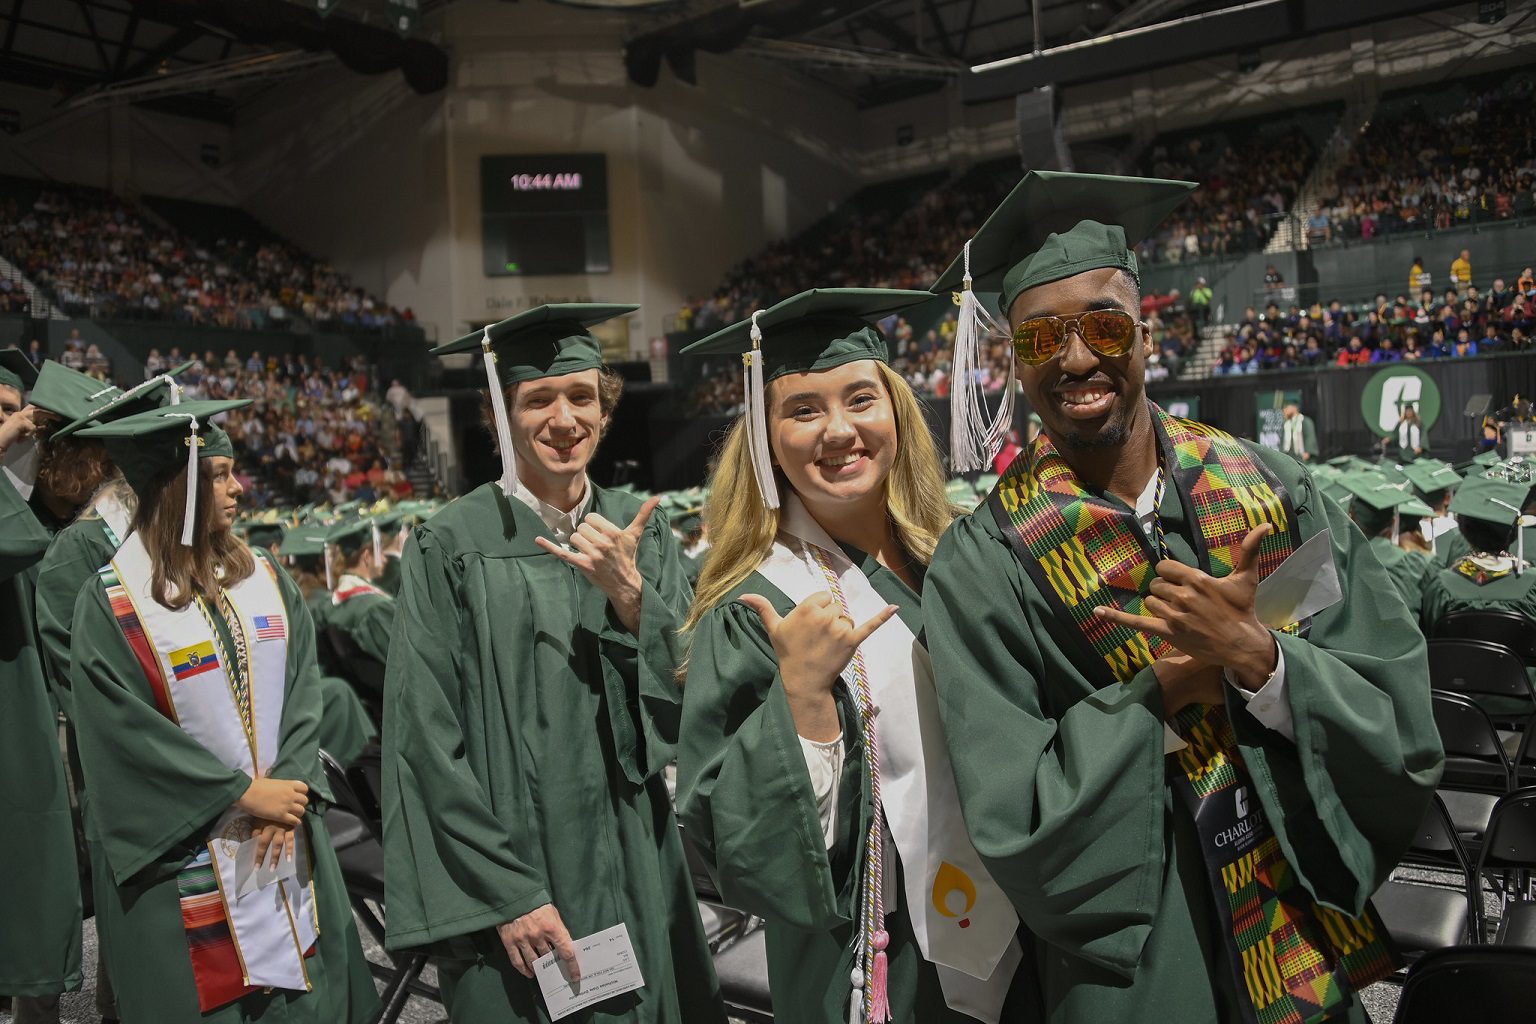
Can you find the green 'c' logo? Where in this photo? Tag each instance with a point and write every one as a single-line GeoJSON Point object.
{"type": "Point", "coordinates": [1391, 390]}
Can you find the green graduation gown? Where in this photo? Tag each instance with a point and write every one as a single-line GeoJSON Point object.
{"type": "Point", "coordinates": [1066, 793]}
{"type": "Point", "coordinates": [745, 797]}
{"type": "Point", "coordinates": [523, 749]}
{"type": "Point", "coordinates": [155, 792]}
{"type": "Point", "coordinates": [39, 881]}
{"type": "Point", "coordinates": [1448, 590]}
{"type": "Point", "coordinates": [1406, 568]}
{"type": "Point", "coordinates": [389, 576]}
{"type": "Point", "coordinates": [367, 619]}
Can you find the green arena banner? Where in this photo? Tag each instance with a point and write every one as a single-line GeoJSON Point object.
{"type": "Point", "coordinates": [1183, 406]}
{"type": "Point", "coordinates": [1270, 427]}
{"type": "Point", "coordinates": [1392, 390]}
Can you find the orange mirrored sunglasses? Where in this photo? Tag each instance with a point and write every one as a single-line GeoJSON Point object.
{"type": "Point", "coordinates": [1109, 332]}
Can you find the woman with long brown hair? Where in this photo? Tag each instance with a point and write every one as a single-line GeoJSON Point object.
{"type": "Point", "coordinates": [834, 824]}
{"type": "Point", "coordinates": [198, 707]}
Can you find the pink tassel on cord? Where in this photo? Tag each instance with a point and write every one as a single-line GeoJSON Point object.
{"type": "Point", "coordinates": [879, 1000]}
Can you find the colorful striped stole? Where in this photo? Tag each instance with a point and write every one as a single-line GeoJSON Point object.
{"type": "Point", "coordinates": [1297, 962]}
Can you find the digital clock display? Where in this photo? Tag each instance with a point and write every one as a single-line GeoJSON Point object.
{"type": "Point", "coordinates": [544, 214]}
{"type": "Point", "coordinates": [567, 181]}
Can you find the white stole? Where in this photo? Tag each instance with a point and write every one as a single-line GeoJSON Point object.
{"type": "Point", "coordinates": [1408, 435]}
{"type": "Point", "coordinates": [272, 926]}
{"type": "Point", "coordinates": [964, 923]}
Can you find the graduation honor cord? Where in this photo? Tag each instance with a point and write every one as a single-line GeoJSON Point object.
{"type": "Point", "coordinates": [869, 1000]}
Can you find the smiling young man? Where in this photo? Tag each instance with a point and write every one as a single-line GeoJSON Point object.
{"type": "Point", "coordinates": [533, 705]}
{"type": "Point", "coordinates": [1107, 587]}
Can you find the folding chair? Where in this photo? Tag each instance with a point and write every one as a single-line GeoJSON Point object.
{"type": "Point", "coordinates": [1508, 858]}
{"type": "Point", "coordinates": [1477, 768]}
{"type": "Point", "coordinates": [743, 973]}
{"type": "Point", "coordinates": [1421, 917]}
{"type": "Point", "coordinates": [362, 871]}
{"type": "Point", "coordinates": [1489, 672]}
{"type": "Point", "coordinates": [1486, 983]}
{"type": "Point", "coordinates": [1504, 626]}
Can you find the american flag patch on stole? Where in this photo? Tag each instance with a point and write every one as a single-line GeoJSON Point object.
{"type": "Point", "coordinates": [269, 627]}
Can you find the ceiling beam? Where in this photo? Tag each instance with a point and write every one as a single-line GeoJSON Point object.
{"type": "Point", "coordinates": [10, 30]}
{"type": "Point", "coordinates": [945, 43]}
{"type": "Point", "coordinates": [125, 47]}
{"type": "Point", "coordinates": [90, 26]}
{"type": "Point", "coordinates": [178, 41]}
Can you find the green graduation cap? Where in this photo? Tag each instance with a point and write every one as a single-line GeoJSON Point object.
{"type": "Point", "coordinates": [153, 393]}
{"type": "Point", "coordinates": [16, 370]}
{"type": "Point", "coordinates": [1431, 478]}
{"type": "Point", "coordinates": [820, 329]}
{"type": "Point", "coordinates": [1490, 501]}
{"type": "Point", "coordinates": [1375, 499]}
{"type": "Point", "coordinates": [350, 535]}
{"type": "Point", "coordinates": [69, 394]}
{"type": "Point", "coordinates": [151, 443]}
{"type": "Point", "coordinates": [1055, 224]}
{"type": "Point", "coordinates": [1351, 464]}
{"type": "Point", "coordinates": [263, 535]}
{"type": "Point", "coordinates": [546, 341]}
{"type": "Point", "coordinates": [303, 541]}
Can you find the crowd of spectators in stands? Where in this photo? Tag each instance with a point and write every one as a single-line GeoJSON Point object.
{"type": "Point", "coordinates": [312, 434]}
{"type": "Point", "coordinates": [907, 240]}
{"type": "Point", "coordinates": [99, 257]}
{"type": "Point", "coordinates": [1243, 193]}
{"type": "Point", "coordinates": [1420, 323]}
{"type": "Point", "coordinates": [1412, 171]}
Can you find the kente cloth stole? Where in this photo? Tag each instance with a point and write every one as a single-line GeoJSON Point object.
{"type": "Point", "coordinates": [1296, 962]}
{"type": "Point", "coordinates": [229, 697]}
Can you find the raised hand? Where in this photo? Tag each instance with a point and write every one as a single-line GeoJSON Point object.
{"type": "Point", "coordinates": [1211, 620]}
{"type": "Point", "coordinates": [17, 427]}
{"type": "Point", "coordinates": [605, 555]}
{"type": "Point", "coordinates": [814, 643]}
{"type": "Point", "coordinates": [535, 934]}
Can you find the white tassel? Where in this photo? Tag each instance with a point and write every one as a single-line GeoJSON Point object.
{"type": "Point", "coordinates": [189, 511]}
{"type": "Point", "coordinates": [757, 423]}
{"type": "Point", "coordinates": [378, 547]}
{"type": "Point", "coordinates": [499, 411]}
{"type": "Point", "coordinates": [974, 437]}
{"type": "Point", "coordinates": [330, 576]}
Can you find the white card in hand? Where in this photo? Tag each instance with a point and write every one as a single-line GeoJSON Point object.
{"type": "Point", "coordinates": [608, 968]}
{"type": "Point", "coordinates": [21, 462]}
{"type": "Point", "coordinates": [1304, 584]}
{"type": "Point", "coordinates": [250, 876]}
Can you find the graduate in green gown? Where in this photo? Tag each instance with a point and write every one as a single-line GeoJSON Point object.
{"type": "Point", "coordinates": [1098, 614]}
{"type": "Point", "coordinates": [39, 883]}
{"type": "Point", "coordinates": [776, 783]}
{"type": "Point", "coordinates": [189, 751]}
{"type": "Point", "coordinates": [533, 703]}
{"type": "Point", "coordinates": [1379, 507]}
{"type": "Point", "coordinates": [1494, 573]}
{"type": "Point", "coordinates": [358, 608]}
{"type": "Point", "coordinates": [392, 534]}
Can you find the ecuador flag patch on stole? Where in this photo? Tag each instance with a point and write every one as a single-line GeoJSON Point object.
{"type": "Point", "coordinates": [194, 660]}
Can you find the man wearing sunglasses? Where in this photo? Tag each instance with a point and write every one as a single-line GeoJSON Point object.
{"type": "Point", "coordinates": [1188, 789]}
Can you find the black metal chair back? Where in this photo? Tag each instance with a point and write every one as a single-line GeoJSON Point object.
{"type": "Point", "coordinates": [1492, 983]}
{"type": "Point", "coordinates": [1505, 626]}
{"type": "Point", "coordinates": [1480, 667]}
{"type": "Point", "coordinates": [1474, 755]}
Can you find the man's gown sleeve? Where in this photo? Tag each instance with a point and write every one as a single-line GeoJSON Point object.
{"type": "Point", "coordinates": [450, 865]}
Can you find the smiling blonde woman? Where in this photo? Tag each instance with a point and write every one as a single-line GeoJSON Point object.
{"type": "Point", "coordinates": [833, 823]}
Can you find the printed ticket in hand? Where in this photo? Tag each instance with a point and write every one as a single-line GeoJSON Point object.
{"type": "Point", "coordinates": [608, 968]}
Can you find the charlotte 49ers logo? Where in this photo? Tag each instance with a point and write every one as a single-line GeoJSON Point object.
{"type": "Point", "coordinates": [237, 831]}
